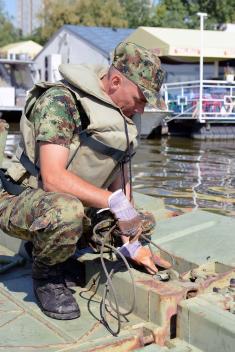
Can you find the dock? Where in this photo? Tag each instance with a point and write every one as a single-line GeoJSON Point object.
{"type": "Point", "coordinates": [193, 310]}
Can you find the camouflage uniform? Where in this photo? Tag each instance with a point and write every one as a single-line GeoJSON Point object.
{"type": "Point", "coordinates": [52, 221]}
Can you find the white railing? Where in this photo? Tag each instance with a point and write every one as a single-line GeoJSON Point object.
{"type": "Point", "coordinates": [218, 100]}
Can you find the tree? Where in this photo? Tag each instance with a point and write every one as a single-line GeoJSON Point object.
{"type": "Point", "coordinates": [8, 34]}
{"type": "Point", "coordinates": [107, 13]}
{"type": "Point", "coordinates": [36, 36]}
{"type": "Point", "coordinates": [137, 12]}
{"type": "Point", "coordinates": [183, 13]}
{"type": "Point", "coordinates": [54, 15]}
{"type": "Point", "coordinates": [171, 13]}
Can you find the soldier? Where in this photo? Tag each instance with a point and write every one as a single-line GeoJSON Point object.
{"type": "Point", "coordinates": [76, 134]}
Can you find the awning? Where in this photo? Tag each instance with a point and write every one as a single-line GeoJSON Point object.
{"type": "Point", "coordinates": [29, 48]}
{"type": "Point", "coordinates": [185, 43]}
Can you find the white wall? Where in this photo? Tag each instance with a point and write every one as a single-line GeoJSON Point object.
{"type": "Point", "coordinates": [72, 49]}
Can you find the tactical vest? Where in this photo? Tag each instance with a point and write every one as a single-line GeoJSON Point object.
{"type": "Point", "coordinates": [106, 125]}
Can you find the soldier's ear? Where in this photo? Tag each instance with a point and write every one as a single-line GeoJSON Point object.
{"type": "Point", "coordinates": [115, 82]}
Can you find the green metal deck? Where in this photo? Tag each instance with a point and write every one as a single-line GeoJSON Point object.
{"type": "Point", "coordinates": [193, 311]}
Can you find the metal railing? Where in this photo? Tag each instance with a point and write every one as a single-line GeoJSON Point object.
{"type": "Point", "coordinates": [218, 100]}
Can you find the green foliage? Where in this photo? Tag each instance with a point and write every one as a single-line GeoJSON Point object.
{"type": "Point", "coordinates": [183, 13]}
{"type": "Point", "coordinates": [171, 13]}
{"type": "Point", "coordinates": [54, 15]}
{"type": "Point", "coordinates": [137, 12]}
{"type": "Point", "coordinates": [36, 36]}
{"type": "Point", "coordinates": [8, 34]}
{"type": "Point", "coordinates": [219, 11]}
{"type": "Point", "coordinates": [133, 13]}
{"type": "Point", "coordinates": [107, 13]}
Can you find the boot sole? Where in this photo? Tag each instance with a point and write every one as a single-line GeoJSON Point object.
{"type": "Point", "coordinates": [58, 316]}
{"type": "Point", "coordinates": [61, 316]}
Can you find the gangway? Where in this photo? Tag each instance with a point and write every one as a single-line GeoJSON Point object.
{"type": "Point", "coordinates": [218, 101]}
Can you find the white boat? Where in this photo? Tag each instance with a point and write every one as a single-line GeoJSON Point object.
{"type": "Point", "coordinates": [151, 119]}
{"type": "Point", "coordinates": [16, 78]}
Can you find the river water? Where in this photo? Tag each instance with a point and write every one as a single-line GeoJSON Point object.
{"type": "Point", "coordinates": [187, 173]}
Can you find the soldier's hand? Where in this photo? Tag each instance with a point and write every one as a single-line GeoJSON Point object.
{"type": "Point", "coordinates": [143, 256]}
{"type": "Point", "coordinates": [130, 228]}
{"type": "Point", "coordinates": [129, 221]}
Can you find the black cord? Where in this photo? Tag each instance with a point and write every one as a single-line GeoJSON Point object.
{"type": "Point", "coordinates": [129, 157]}
{"type": "Point", "coordinates": [109, 285]}
{"type": "Point", "coordinates": [123, 178]}
{"type": "Point", "coordinates": [109, 288]}
{"type": "Point", "coordinates": [132, 279]}
{"type": "Point", "coordinates": [158, 247]}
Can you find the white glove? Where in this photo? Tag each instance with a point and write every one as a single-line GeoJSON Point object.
{"type": "Point", "coordinates": [121, 207]}
{"type": "Point", "coordinates": [128, 218]}
{"type": "Point", "coordinates": [129, 249]}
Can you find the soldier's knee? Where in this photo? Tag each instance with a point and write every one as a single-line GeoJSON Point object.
{"type": "Point", "coordinates": [68, 208]}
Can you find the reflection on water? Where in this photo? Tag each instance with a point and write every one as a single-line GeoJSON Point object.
{"type": "Point", "coordinates": [187, 173]}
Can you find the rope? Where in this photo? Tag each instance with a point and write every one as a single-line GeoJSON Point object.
{"type": "Point", "coordinates": [109, 287]}
{"type": "Point", "coordinates": [109, 284]}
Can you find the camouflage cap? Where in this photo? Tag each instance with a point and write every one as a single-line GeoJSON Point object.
{"type": "Point", "coordinates": [142, 67]}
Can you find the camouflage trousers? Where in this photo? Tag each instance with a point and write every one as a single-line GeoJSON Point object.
{"type": "Point", "coordinates": [52, 221]}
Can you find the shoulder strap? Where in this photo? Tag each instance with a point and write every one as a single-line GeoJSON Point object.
{"type": "Point", "coordinates": [87, 139]}
{"type": "Point", "coordinates": [9, 186]}
{"type": "Point", "coordinates": [33, 169]}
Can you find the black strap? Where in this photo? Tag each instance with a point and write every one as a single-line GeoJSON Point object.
{"type": "Point", "coordinates": [29, 165]}
{"type": "Point", "coordinates": [10, 186]}
{"type": "Point", "coordinates": [100, 147]}
{"type": "Point", "coordinates": [87, 139]}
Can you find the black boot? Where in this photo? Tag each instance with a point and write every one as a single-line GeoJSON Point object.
{"type": "Point", "coordinates": [54, 298]}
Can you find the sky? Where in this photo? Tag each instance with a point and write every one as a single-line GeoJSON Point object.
{"type": "Point", "coordinates": [10, 7]}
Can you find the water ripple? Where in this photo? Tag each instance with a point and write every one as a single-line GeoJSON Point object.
{"type": "Point", "coordinates": [188, 173]}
